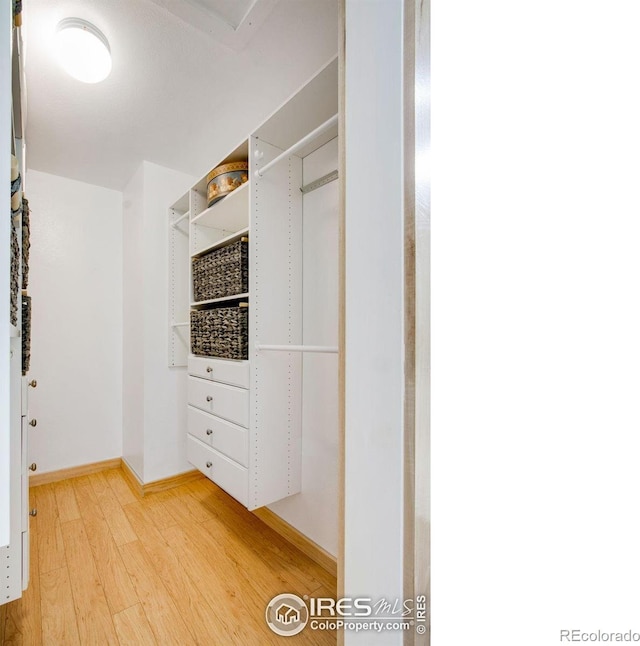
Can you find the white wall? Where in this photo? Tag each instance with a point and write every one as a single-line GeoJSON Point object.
{"type": "Point", "coordinates": [75, 281]}
{"type": "Point", "coordinates": [133, 323]}
{"type": "Point", "coordinates": [374, 308]}
{"type": "Point", "coordinates": [154, 413]}
{"type": "Point", "coordinates": [165, 388]}
{"type": "Point", "coordinates": [314, 511]}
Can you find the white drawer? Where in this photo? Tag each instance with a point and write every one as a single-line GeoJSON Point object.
{"type": "Point", "coordinates": [228, 475]}
{"type": "Point", "coordinates": [225, 437]}
{"type": "Point", "coordinates": [228, 371]}
{"type": "Point", "coordinates": [224, 401]}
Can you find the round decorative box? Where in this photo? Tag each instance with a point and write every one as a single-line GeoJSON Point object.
{"type": "Point", "coordinates": [224, 179]}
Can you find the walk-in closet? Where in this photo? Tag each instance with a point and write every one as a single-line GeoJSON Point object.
{"type": "Point", "coordinates": [174, 463]}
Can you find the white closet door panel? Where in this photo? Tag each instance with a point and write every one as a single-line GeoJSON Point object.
{"type": "Point", "coordinates": [5, 329]}
{"type": "Point", "coordinates": [11, 555]}
{"type": "Point", "coordinates": [228, 402]}
{"type": "Point", "coordinates": [227, 371]}
{"type": "Point", "coordinates": [228, 438]}
{"type": "Point", "coordinates": [224, 472]}
{"type": "Point", "coordinates": [24, 475]}
{"type": "Point", "coordinates": [26, 537]}
{"type": "Point", "coordinates": [24, 396]}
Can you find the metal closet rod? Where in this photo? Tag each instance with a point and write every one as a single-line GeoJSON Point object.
{"type": "Point", "coordinates": [298, 348]}
{"type": "Point", "coordinates": [321, 181]}
{"type": "Point", "coordinates": [303, 142]}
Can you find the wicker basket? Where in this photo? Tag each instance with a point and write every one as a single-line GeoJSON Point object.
{"type": "Point", "coordinates": [220, 332]}
{"type": "Point", "coordinates": [26, 242]}
{"type": "Point", "coordinates": [222, 272]}
{"type": "Point", "coordinates": [26, 333]}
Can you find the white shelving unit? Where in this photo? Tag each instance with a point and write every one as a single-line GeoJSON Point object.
{"type": "Point", "coordinates": [245, 417]}
{"type": "Point", "coordinates": [178, 333]}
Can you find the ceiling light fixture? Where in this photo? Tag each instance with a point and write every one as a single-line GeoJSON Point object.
{"type": "Point", "coordinates": [82, 50]}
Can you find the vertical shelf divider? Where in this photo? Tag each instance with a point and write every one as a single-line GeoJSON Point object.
{"type": "Point", "coordinates": [178, 289]}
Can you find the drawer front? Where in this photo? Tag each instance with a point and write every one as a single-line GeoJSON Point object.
{"type": "Point", "coordinates": [225, 437]}
{"type": "Point", "coordinates": [227, 371]}
{"type": "Point", "coordinates": [224, 401]}
{"type": "Point", "coordinates": [228, 475]}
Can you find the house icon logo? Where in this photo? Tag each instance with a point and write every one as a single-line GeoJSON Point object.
{"type": "Point", "coordinates": [287, 615]}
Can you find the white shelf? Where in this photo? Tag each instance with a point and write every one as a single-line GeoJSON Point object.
{"type": "Point", "coordinates": [305, 110]}
{"type": "Point", "coordinates": [240, 153]}
{"type": "Point", "coordinates": [179, 324]}
{"type": "Point", "coordinates": [179, 219]}
{"type": "Point", "coordinates": [181, 205]}
{"type": "Point", "coordinates": [231, 213]}
{"type": "Point", "coordinates": [308, 140]}
{"type": "Point", "coordinates": [220, 300]}
{"type": "Point", "coordinates": [221, 243]}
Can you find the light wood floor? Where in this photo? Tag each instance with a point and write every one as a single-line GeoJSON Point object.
{"type": "Point", "coordinates": [185, 566]}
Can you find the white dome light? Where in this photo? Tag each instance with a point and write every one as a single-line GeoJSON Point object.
{"type": "Point", "coordinates": [82, 50]}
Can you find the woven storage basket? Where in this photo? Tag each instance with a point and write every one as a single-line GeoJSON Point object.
{"type": "Point", "coordinates": [220, 332]}
{"type": "Point", "coordinates": [26, 242]}
{"type": "Point", "coordinates": [222, 272]}
{"type": "Point", "coordinates": [26, 333]}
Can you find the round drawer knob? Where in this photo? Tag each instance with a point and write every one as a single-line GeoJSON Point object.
{"type": "Point", "coordinates": [33, 466]}
{"type": "Point", "coordinates": [209, 464]}
{"type": "Point", "coordinates": [33, 422]}
{"type": "Point", "coordinates": [33, 512]}
{"type": "Point", "coordinates": [209, 398]}
{"type": "Point", "coordinates": [33, 383]}
{"type": "Point", "coordinates": [209, 431]}
{"type": "Point", "coordinates": [209, 369]}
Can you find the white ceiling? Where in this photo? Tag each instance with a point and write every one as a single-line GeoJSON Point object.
{"type": "Point", "coordinates": [230, 11]}
{"type": "Point", "coordinates": [190, 79]}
